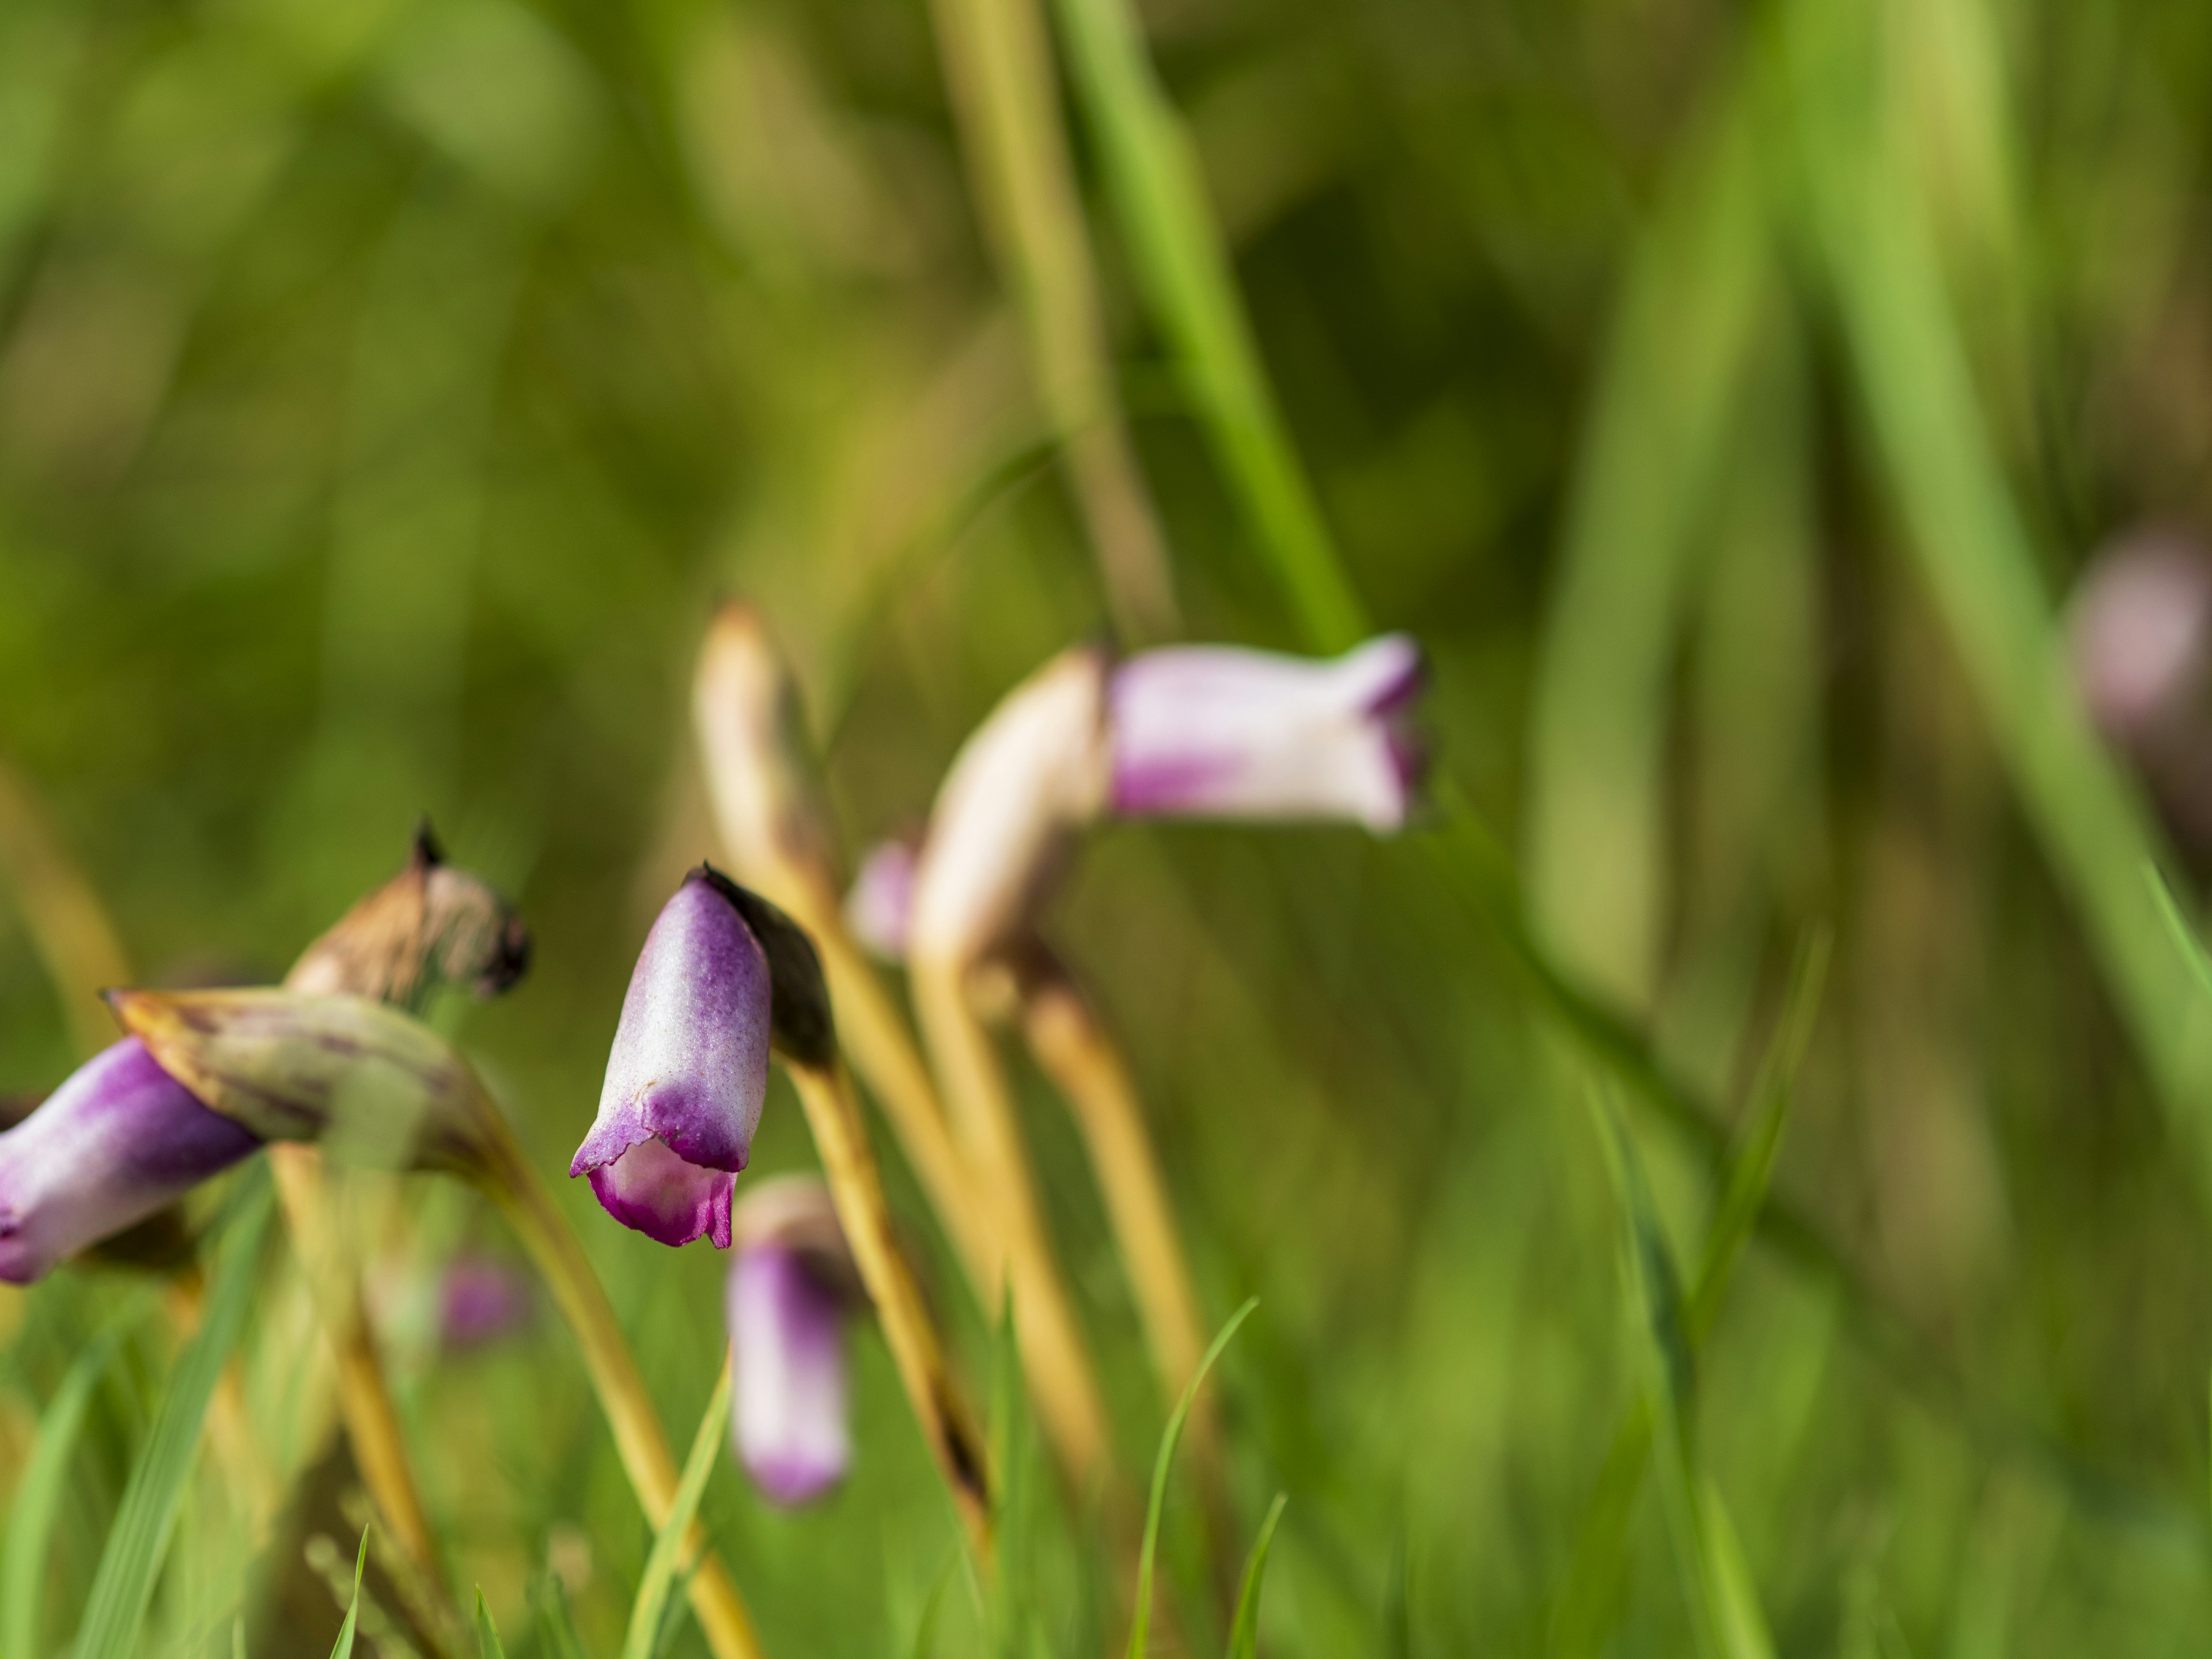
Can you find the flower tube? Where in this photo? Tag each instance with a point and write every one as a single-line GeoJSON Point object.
{"type": "Point", "coordinates": [116, 1142]}
{"type": "Point", "coordinates": [688, 1073]}
{"type": "Point", "coordinates": [791, 1288]}
{"type": "Point", "coordinates": [1219, 732]}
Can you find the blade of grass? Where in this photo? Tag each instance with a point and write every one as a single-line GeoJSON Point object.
{"type": "Point", "coordinates": [39, 1494]}
{"type": "Point", "coordinates": [1141, 1621]}
{"type": "Point", "coordinates": [488, 1643]}
{"type": "Point", "coordinates": [342, 1648]}
{"type": "Point", "coordinates": [1244, 1634]}
{"type": "Point", "coordinates": [1182, 261]}
{"type": "Point", "coordinates": [130, 1562]}
{"type": "Point", "coordinates": [1588, 1606]}
{"type": "Point", "coordinates": [665, 1561]}
{"type": "Point", "coordinates": [556, 1624]}
{"type": "Point", "coordinates": [1669, 1367]}
{"type": "Point", "coordinates": [1671, 395]}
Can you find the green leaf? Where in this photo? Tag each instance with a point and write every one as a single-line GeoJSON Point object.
{"type": "Point", "coordinates": [1244, 1634]}
{"type": "Point", "coordinates": [131, 1560]}
{"type": "Point", "coordinates": [39, 1495]}
{"type": "Point", "coordinates": [1140, 1623]}
{"type": "Point", "coordinates": [667, 1557]}
{"type": "Point", "coordinates": [488, 1643]}
{"type": "Point", "coordinates": [342, 1648]}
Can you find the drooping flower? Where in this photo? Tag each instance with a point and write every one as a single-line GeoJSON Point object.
{"type": "Point", "coordinates": [687, 1072]}
{"type": "Point", "coordinates": [791, 1289]}
{"type": "Point", "coordinates": [1027, 779]}
{"type": "Point", "coordinates": [1211, 730]}
{"type": "Point", "coordinates": [117, 1141]}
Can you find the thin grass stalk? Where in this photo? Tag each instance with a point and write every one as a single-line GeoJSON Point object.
{"type": "Point", "coordinates": [1075, 1052]}
{"type": "Point", "coordinates": [1183, 267]}
{"type": "Point", "coordinates": [508, 1179]}
{"type": "Point", "coordinates": [1053, 1355]}
{"type": "Point", "coordinates": [856, 1187]}
{"type": "Point", "coordinates": [1074, 1049]}
{"type": "Point", "coordinates": [998, 64]}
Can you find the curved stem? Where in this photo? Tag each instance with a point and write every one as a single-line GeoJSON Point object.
{"type": "Point", "coordinates": [855, 1187]}
{"type": "Point", "coordinates": [509, 1179]}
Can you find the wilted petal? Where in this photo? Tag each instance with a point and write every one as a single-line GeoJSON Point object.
{"type": "Point", "coordinates": [1031, 776]}
{"type": "Point", "coordinates": [687, 1072]}
{"type": "Point", "coordinates": [1219, 731]}
{"type": "Point", "coordinates": [118, 1140]}
{"type": "Point", "coordinates": [787, 1350]}
{"type": "Point", "coordinates": [879, 908]}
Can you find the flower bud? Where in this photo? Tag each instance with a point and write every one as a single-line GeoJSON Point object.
{"type": "Point", "coordinates": [430, 924]}
{"type": "Point", "coordinates": [1028, 779]}
{"type": "Point", "coordinates": [480, 1300]}
{"type": "Point", "coordinates": [373, 1085]}
{"type": "Point", "coordinates": [1222, 732]}
{"type": "Point", "coordinates": [790, 1290]}
{"type": "Point", "coordinates": [114, 1144]}
{"type": "Point", "coordinates": [759, 771]}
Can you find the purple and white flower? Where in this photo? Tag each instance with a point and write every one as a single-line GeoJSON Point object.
{"type": "Point", "coordinates": [1211, 730]}
{"type": "Point", "coordinates": [688, 1073]}
{"type": "Point", "coordinates": [879, 907]}
{"type": "Point", "coordinates": [117, 1141]}
{"type": "Point", "coordinates": [791, 1289]}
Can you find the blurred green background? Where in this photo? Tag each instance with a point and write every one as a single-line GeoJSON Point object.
{"type": "Point", "coordinates": [1725, 394]}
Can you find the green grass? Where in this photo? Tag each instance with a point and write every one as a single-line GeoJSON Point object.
{"type": "Point", "coordinates": [1728, 397]}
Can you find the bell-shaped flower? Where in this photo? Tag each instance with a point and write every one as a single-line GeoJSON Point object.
{"type": "Point", "coordinates": [791, 1289]}
{"type": "Point", "coordinates": [1026, 782]}
{"type": "Point", "coordinates": [115, 1143]}
{"type": "Point", "coordinates": [1218, 732]}
{"type": "Point", "coordinates": [687, 1072]}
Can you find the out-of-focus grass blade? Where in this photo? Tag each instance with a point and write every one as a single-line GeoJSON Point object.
{"type": "Point", "coordinates": [38, 1495]}
{"type": "Point", "coordinates": [1182, 263]}
{"type": "Point", "coordinates": [1141, 1621]}
{"type": "Point", "coordinates": [1967, 535]}
{"type": "Point", "coordinates": [1671, 395]}
{"type": "Point", "coordinates": [1743, 1630]}
{"type": "Point", "coordinates": [925, 1628]}
{"type": "Point", "coordinates": [488, 1643]}
{"type": "Point", "coordinates": [556, 1624]}
{"type": "Point", "coordinates": [1670, 1384]}
{"type": "Point", "coordinates": [1244, 1634]}
{"type": "Point", "coordinates": [2178, 930]}
{"type": "Point", "coordinates": [1588, 1605]}
{"type": "Point", "coordinates": [666, 1559]}
{"type": "Point", "coordinates": [1752, 1171]}
{"type": "Point", "coordinates": [342, 1648]}
{"type": "Point", "coordinates": [123, 1583]}
{"type": "Point", "coordinates": [1011, 1588]}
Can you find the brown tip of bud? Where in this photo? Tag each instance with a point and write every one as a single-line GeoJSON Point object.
{"type": "Point", "coordinates": [425, 853]}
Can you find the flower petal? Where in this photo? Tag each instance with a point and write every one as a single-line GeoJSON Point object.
{"type": "Point", "coordinates": [655, 1191]}
{"type": "Point", "coordinates": [1219, 731]}
{"type": "Point", "coordinates": [117, 1141]}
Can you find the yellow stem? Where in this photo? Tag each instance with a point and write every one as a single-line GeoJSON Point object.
{"type": "Point", "coordinates": [1053, 1355]}
{"type": "Point", "coordinates": [510, 1181]}
{"type": "Point", "coordinates": [998, 63]}
{"type": "Point", "coordinates": [849, 1163]}
{"type": "Point", "coordinates": [1072, 1050]}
